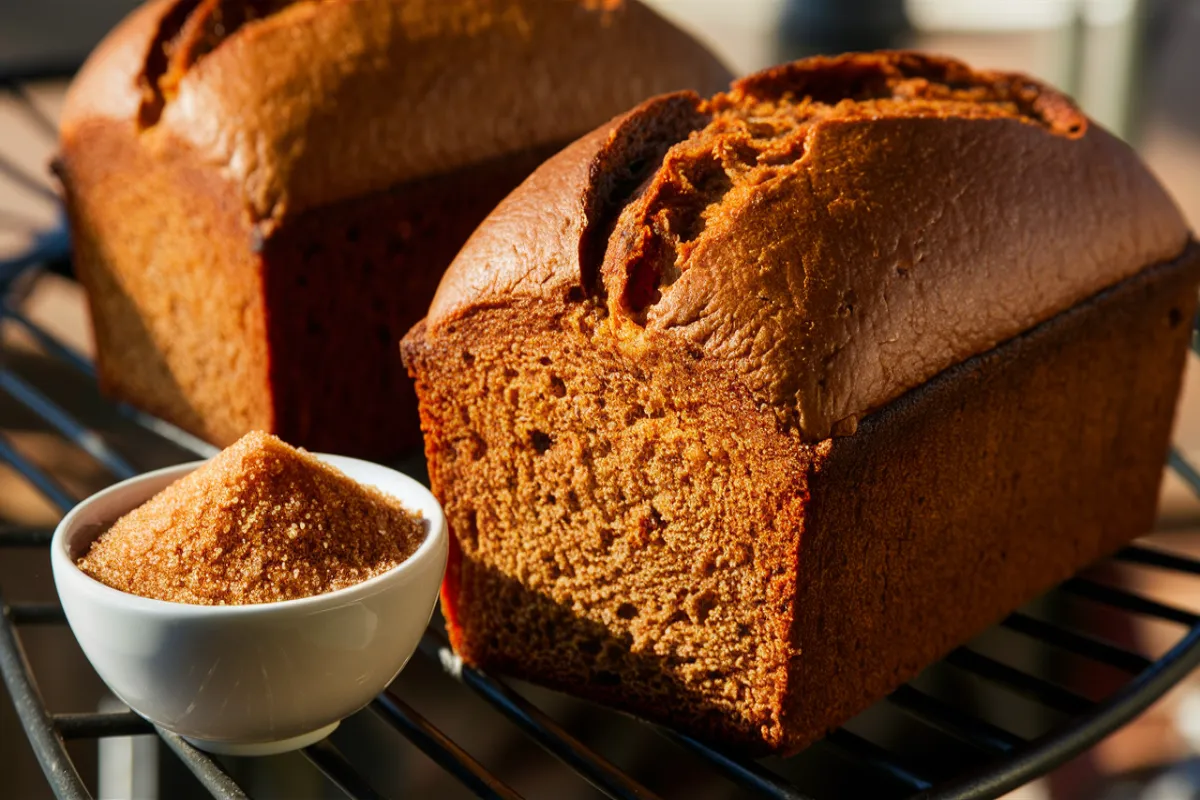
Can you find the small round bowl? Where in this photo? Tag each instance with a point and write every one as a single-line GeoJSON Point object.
{"type": "Point", "coordinates": [250, 679]}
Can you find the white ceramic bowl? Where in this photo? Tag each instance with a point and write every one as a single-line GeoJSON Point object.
{"type": "Point", "coordinates": [253, 679]}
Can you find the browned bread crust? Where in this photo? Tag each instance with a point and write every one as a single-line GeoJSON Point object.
{"type": "Point", "coordinates": [263, 194]}
{"type": "Point", "coordinates": [640, 513]}
{"type": "Point", "coordinates": [301, 104]}
{"type": "Point", "coordinates": [891, 214]}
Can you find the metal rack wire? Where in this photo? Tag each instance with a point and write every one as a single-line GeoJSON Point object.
{"type": "Point", "coordinates": [1001, 758]}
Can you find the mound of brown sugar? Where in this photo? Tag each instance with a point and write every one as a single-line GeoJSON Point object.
{"type": "Point", "coordinates": [259, 523]}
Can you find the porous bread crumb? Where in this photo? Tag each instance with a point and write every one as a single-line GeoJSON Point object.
{"type": "Point", "coordinates": [259, 523]}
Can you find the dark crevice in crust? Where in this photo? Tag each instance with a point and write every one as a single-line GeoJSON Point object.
{"type": "Point", "coordinates": [759, 133]}
{"type": "Point", "coordinates": [157, 61]}
{"type": "Point", "coordinates": [667, 217]}
{"type": "Point", "coordinates": [634, 152]}
{"type": "Point", "coordinates": [187, 33]}
{"type": "Point", "coordinates": [877, 81]}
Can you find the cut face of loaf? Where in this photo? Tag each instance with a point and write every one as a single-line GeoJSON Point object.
{"type": "Point", "coordinates": [627, 527]}
{"type": "Point", "coordinates": [629, 375]}
{"type": "Point", "coordinates": [263, 194]}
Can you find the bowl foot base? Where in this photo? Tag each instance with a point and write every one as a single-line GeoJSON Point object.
{"type": "Point", "coordinates": [262, 748]}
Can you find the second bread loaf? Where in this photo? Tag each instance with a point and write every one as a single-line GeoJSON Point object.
{"type": "Point", "coordinates": [263, 194]}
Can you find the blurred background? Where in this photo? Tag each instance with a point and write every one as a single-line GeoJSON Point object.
{"type": "Point", "coordinates": [1133, 65]}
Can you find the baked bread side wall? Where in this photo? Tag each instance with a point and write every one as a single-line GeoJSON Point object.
{"type": "Point", "coordinates": [982, 489]}
{"type": "Point", "coordinates": [164, 248]}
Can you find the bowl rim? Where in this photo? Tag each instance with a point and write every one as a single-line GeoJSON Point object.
{"type": "Point", "coordinates": [64, 567]}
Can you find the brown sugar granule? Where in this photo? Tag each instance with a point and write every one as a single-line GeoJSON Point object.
{"type": "Point", "coordinates": [260, 522]}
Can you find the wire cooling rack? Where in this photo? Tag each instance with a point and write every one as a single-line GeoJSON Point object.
{"type": "Point", "coordinates": [930, 738]}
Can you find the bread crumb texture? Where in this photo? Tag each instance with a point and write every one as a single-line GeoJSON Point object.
{"type": "Point", "coordinates": [259, 523]}
{"type": "Point", "coordinates": [613, 530]}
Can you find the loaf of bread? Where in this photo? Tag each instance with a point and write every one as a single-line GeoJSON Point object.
{"type": "Point", "coordinates": [744, 410]}
{"type": "Point", "coordinates": [263, 194]}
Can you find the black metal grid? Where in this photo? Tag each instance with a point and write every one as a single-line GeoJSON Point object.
{"type": "Point", "coordinates": [1004, 760]}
